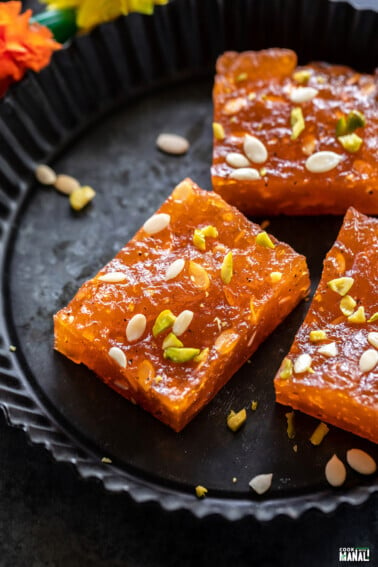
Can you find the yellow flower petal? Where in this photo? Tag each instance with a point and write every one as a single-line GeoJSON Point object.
{"type": "Point", "coordinates": [94, 12]}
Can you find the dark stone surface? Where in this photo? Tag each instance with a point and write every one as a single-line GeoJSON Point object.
{"type": "Point", "coordinates": [49, 517]}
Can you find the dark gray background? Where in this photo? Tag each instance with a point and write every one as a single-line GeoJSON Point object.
{"type": "Point", "coordinates": [49, 517]}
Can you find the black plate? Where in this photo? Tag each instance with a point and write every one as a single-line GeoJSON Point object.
{"type": "Point", "coordinates": [95, 113]}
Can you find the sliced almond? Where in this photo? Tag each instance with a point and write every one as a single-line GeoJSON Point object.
{"type": "Point", "coordinates": [368, 360]}
{"type": "Point", "coordinates": [361, 462]}
{"type": "Point", "coordinates": [329, 350]}
{"type": "Point", "coordinates": [261, 483]}
{"type": "Point", "coordinates": [113, 277]}
{"type": "Point", "coordinates": [156, 223]}
{"type": "Point", "coordinates": [254, 149]}
{"type": "Point", "coordinates": [172, 144]}
{"type": "Point", "coordinates": [45, 175]}
{"type": "Point", "coordinates": [182, 322]}
{"type": "Point", "coordinates": [66, 184]}
{"type": "Point", "coordinates": [136, 327]}
{"type": "Point", "coordinates": [373, 339]}
{"type": "Point", "coordinates": [245, 174]}
{"type": "Point", "coordinates": [302, 94]}
{"type": "Point", "coordinates": [324, 161]}
{"type": "Point", "coordinates": [233, 159]}
{"type": "Point", "coordinates": [302, 363]}
{"type": "Point", "coordinates": [118, 356]}
{"type": "Point", "coordinates": [174, 269]}
{"type": "Point", "coordinates": [335, 471]}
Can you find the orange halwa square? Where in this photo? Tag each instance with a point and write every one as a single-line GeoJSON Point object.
{"type": "Point", "coordinates": [273, 121]}
{"type": "Point", "coordinates": [183, 305]}
{"type": "Point", "coordinates": [331, 371]}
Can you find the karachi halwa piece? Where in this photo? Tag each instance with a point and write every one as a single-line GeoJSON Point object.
{"type": "Point", "coordinates": [331, 371]}
{"type": "Point", "coordinates": [294, 140]}
{"type": "Point", "coordinates": [183, 305]}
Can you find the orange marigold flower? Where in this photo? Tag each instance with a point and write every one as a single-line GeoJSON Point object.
{"type": "Point", "coordinates": [23, 45]}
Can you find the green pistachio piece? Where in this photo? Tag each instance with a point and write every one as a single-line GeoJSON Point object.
{"type": "Point", "coordinates": [317, 336]}
{"type": "Point", "coordinates": [348, 124]}
{"type": "Point", "coordinates": [358, 316]}
{"type": "Point", "coordinates": [302, 76]}
{"type": "Point", "coordinates": [236, 420]}
{"type": "Point", "coordinates": [263, 239]}
{"type": "Point", "coordinates": [227, 268]}
{"type": "Point", "coordinates": [286, 369]}
{"type": "Point", "coordinates": [202, 355]}
{"type": "Point", "coordinates": [297, 122]}
{"type": "Point", "coordinates": [319, 434]}
{"type": "Point", "coordinates": [199, 240]}
{"type": "Point", "coordinates": [347, 305]}
{"type": "Point", "coordinates": [181, 354]}
{"type": "Point", "coordinates": [341, 127]}
{"type": "Point", "coordinates": [172, 341]}
{"type": "Point", "coordinates": [341, 285]}
{"type": "Point", "coordinates": [290, 424]}
{"type": "Point", "coordinates": [164, 320]}
{"type": "Point", "coordinates": [200, 234]}
{"type": "Point", "coordinates": [350, 142]}
{"type": "Point", "coordinates": [355, 119]}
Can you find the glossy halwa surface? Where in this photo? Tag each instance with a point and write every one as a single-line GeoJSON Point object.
{"type": "Point", "coordinates": [229, 319]}
{"type": "Point", "coordinates": [334, 388]}
{"type": "Point", "coordinates": [253, 95]}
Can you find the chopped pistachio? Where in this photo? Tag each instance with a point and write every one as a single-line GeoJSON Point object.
{"type": "Point", "coordinates": [12, 348]}
{"type": "Point", "coordinates": [236, 420]}
{"type": "Point", "coordinates": [355, 119]}
{"type": "Point", "coordinates": [350, 142]}
{"type": "Point", "coordinates": [80, 197]}
{"type": "Point", "coordinates": [302, 76]}
{"type": "Point", "coordinates": [200, 234]}
{"type": "Point", "coordinates": [201, 491]}
{"type": "Point", "coordinates": [358, 316]}
{"type": "Point", "coordinates": [341, 285]}
{"type": "Point", "coordinates": [347, 305]}
{"type": "Point", "coordinates": [341, 127]}
{"type": "Point", "coordinates": [227, 268]}
{"type": "Point", "coordinates": [317, 336]}
{"type": "Point", "coordinates": [218, 131]}
{"type": "Point", "coordinates": [297, 122]}
{"type": "Point", "coordinates": [290, 424]}
{"type": "Point", "coordinates": [202, 355]}
{"type": "Point", "coordinates": [286, 369]}
{"type": "Point", "coordinates": [254, 405]}
{"type": "Point", "coordinates": [319, 434]}
{"type": "Point", "coordinates": [181, 354]}
{"type": "Point", "coordinates": [164, 321]}
{"type": "Point", "coordinates": [251, 96]}
{"type": "Point", "coordinates": [106, 460]}
{"type": "Point", "coordinates": [172, 341]}
{"type": "Point", "coordinates": [263, 171]}
{"type": "Point", "coordinates": [348, 124]}
{"type": "Point", "coordinates": [241, 77]}
{"type": "Point", "coordinates": [373, 318]}
{"type": "Point", "coordinates": [199, 240]}
{"type": "Point", "coordinates": [275, 277]}
{"type": "Point", "coordinates": [263, 239]}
